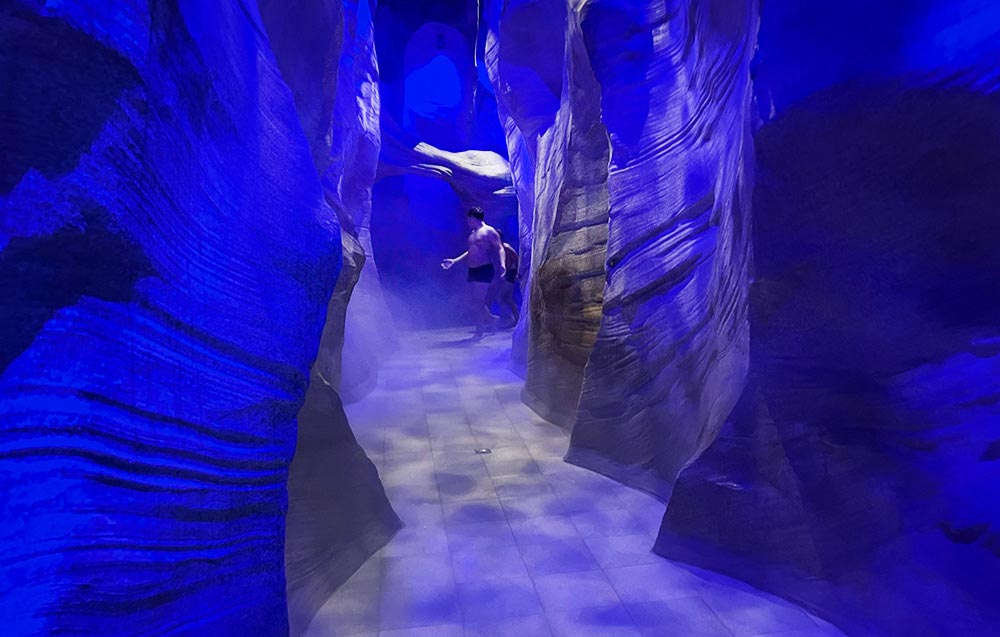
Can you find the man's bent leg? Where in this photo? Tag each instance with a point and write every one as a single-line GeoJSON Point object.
{"type": "Point", "coordinates": [480, 311]}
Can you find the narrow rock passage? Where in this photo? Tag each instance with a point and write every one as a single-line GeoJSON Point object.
{"type": "Point", "coordinates": [515, 542]}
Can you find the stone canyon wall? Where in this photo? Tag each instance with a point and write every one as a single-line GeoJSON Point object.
{"type": "Point", "coordinates": [169, 253]}
{"type": "Point", "coordinates": [859, 473]}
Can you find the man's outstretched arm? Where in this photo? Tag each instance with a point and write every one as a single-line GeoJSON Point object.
{"type": "Point", "coordinates": [447, 263]}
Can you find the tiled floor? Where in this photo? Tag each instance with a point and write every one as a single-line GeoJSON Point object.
{"type": "Point", "coordinates": [515, 543]}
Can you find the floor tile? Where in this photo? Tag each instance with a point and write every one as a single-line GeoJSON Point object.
{"type": "Point", "coordinates": [447, 630]}
{"type": "Point", "coordinates": [531, 626]}
{"type": "Point", "coordinates": [609, 620]}
{"type": "Point", "coordinates": [472, 511]}
{"type": "Point", "coordinates": [548, 528]}
{"type": "Point", "coordinates": [575, 591]}
{"type": "Point", "coordinates": [513, 487]}
{"type": "Point", "coordinates": [540, 505]}
{"type": "Point", "coordinates": [488, 564]}
{"type": "Point", "coordinates": [605, 522]}
{"type": "Point", "coordinates": [416, 571]}
{"type": "Point", "coordinates": [559, 556]}
{"type": "Point", "coordinates": [622, 550]}
{"type": "Point", "coordinates": [513, 467]}
{"type": "Point", "coordinates": [748, 614]}
{"type": "Point", "coordinates": [347, 612]}
{"type": "Point", "coordinates": [418, 604]}
{"type": "Point", "coordinates": [662, 580]}
{"type": "Point", "coordinates": [420, 514]}
{"type": "Point", "coordinates": [495, 599]}
{"type": "Point", "coordinates": [458, 485]}
{"type": "Point", "coordinates": [480, 536]}
{"type": "Point", "coordinates": [688, 616]}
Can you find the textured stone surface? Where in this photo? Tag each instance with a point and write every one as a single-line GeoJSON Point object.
{"type": "Point", "coordinates": [855, 476]}
{"type": "Point", "coordinates": [551, 101]}
{"type": "Point", "coordinates": [671, 354]}
{"type": "Point", "coordinates": [521, 159]}
{"type": "Point", "coordinates": [480, 176]}
{"type": "Point", "coordinates": [166, 270]}
{"type": "Point", "coordinates": [338, 514]}
{"type": "Point", "coordinates": [320, 47]}
{"type": "Point", "coordinates": [167, 257]}
{"type": "Point", "coordinates": [369, 335]}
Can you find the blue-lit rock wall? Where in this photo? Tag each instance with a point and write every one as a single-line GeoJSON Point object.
{"type": "Point", "coordinates": [167, 259]}
{"type": "Point", "coordinates": [551, 100]}
{"type": "Point", "coordinates": [670, 358]}
{"type": "Point", "coordinates": [338, 514]}
{"type": "Point", "coordinates": [521, 153]}
{"type": "Point", "coordinates": [859, 473]}
{"type": "Point", "coordinates": [369, 336]}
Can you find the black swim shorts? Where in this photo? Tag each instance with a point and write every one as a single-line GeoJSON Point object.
{"type": "Point", "coordinates": [481, 274]}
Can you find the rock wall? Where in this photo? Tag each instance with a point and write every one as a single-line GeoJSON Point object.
{"type": "Point", "coordinates": [551, 101]}
{"type": "Point", "coordinates": [370, 335]}
{"type": "Point", "coordinates": [321, 46]}
{"type": "Point", "coordinates": [167, 257]}
{"type": "Point", "coordinates": [670, 358]}
{"type": "Point", "coordinates": [856, 476]}
{"type": "Point", "coordinates": [521, 153]}
{"type": "Point", "coordinates": [338, 514]}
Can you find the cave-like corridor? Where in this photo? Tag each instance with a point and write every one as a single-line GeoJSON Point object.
{"type": "Point", "coordinates": [499, 318]}
{"type": "Point", "coordinates": [516, 542]}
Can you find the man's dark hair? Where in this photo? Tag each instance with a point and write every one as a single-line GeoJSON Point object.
{"type": "Point", "coordinates": [477, 212]}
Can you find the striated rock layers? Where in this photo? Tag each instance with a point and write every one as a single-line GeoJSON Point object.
{"type": "Point", "coordinates": [323, 46]}
{"type": "Point", "coordinates": [630, 126]}
{"type": "Point", "coordinates": [369, 335]}
{"type": "Point", "coordinates": [859, 473]}
{"type": "Point", "coordinates": [166, 260]}
{"type": "Point", "coordinates": [338, 514]}
{"type": "Point", "coordinates": [670, 358]}
{"type": "Point", "coordinates": [549, 101]}
{"type": "Point", "coordinates": [479, 176]}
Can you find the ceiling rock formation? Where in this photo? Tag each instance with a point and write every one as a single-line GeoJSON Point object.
{"type": "Point", "coordinates": [479, 176]}
{"type": "Point", "coordinates": [856, 476]}
{"type": "Point", "coordinates": [551, 101]}
{"type": "Point", "coordinates": [167, 264]}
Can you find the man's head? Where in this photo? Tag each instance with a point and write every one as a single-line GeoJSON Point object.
{"type": "Point", "coordinates": [475, 217]}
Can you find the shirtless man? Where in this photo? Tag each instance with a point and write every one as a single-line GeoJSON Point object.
{"type": "Point", "coordinates": [485, 248]}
